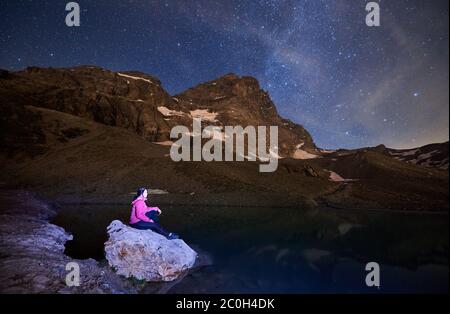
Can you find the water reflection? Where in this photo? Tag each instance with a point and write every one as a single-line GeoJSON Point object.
{"type": "Point", "coordinates": [278, 250]}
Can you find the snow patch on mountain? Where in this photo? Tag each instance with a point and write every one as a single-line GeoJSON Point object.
{"type": "Point", "coordinates": [427, 155]}
{"type": "Point", "coordinates": [164, 143]}
{"type": "Point", "coordinates": [327, 151]}
{"type": "Point", "coordinates": [302, 154]}
{"type": "Point", "coordinates": [169, 112]}
{"type": "Point", "coordinates": [136, 78]}
{"type": "Point", "coordinates": [405, 153]}
{"type": "Point", "coordinates": [337, 178]}
{"type": "Point", "coordinates": [274, 155]}
{"type": "Point", "coordinates": [204, 114]}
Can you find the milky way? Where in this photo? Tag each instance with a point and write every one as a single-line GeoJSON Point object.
{"type": "Point", "coordinates": [349, 84]}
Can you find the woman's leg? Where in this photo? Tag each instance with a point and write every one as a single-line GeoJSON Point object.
{"type": "Point", "coordinates": [155, 226]}
{"type": "Point", "coordinates": [158, 229]}
{"type": "Point", "coordinates": [142, 225]}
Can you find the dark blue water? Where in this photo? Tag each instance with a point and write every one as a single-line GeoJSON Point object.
{"type": "Point", "coordinates": [278, 250]}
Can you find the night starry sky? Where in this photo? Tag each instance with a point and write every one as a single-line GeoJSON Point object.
{"type": "Point", "coordinates": [349, 84]}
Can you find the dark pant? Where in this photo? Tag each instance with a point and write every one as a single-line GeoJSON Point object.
{"type": "Point", "coordinates": [144, 225]}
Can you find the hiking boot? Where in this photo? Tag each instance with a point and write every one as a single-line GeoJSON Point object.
{"type": "Point", "coordinates": [172, 236]}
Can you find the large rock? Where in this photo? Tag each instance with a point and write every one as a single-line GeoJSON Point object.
{"type": "Point", "coordinates": [146, 255]}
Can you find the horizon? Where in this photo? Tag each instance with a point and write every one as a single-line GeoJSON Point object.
{"type": "Point", "coordinates": [349, 85]}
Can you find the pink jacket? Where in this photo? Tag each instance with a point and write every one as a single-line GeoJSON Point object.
{"type": "Point", "coordinates": [139, 209]}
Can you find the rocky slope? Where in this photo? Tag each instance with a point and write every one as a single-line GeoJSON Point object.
{"type": "Point", "coordinates": [128, 100]}
{"type": "Point", "coordinates": [430, 156]}
{"type": "Point", "coordinates": [137, 102]}
{"type": "Point", "coordinates": [79, 160]}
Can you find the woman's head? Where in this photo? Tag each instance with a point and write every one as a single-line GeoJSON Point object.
{"type": "Point", "coordinates": [141, 192]}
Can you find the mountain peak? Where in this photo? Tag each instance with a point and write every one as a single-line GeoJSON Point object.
{"type": "Point", "coordinates": [228, 76]}
{"type": "Point", "coordinates": [136, 101]}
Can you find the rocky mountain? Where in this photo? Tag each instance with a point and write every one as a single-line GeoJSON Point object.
{"type": "Point", "coordinates": [86, 134]}
{"type": "Point", "coordinates": [137, 102]}
{"type": "Point", "coordinates": [128, 100]}
{"type": "Point", "coordinates": [240, 101]}
{"type": "Point", "coordinates": [430, 156]}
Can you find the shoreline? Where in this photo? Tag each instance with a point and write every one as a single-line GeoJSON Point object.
{"type": "Point", "coordinates": [32, 250]}
{"type": "Point", "coordinates": [32, 253]}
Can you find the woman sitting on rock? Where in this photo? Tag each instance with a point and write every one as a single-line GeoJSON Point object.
{"type": "Point", "coordinates": [143, 217]}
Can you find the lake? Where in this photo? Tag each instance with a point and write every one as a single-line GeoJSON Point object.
{"type": "Point", "coordinates": [288, 250]}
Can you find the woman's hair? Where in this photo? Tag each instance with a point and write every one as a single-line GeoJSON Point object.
{"type": "Point", "coordinates": [139, 192]}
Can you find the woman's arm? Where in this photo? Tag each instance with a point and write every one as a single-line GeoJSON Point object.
{"type": "Point", "coordinates": [153, 215]}
{"type": "Point", "coordinates": [140, 210]}
{"type": "Point", "coordinates": [155, 208]}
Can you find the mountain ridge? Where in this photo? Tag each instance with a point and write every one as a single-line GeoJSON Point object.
{"type": "Point", "coordinates": [137, 101]}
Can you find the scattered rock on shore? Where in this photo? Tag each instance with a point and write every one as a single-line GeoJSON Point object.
{"type": "Point", "coordinates": [32, 258]}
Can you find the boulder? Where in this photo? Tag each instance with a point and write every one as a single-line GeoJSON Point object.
{"type": "Point", "coordinates": [146, 255]}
